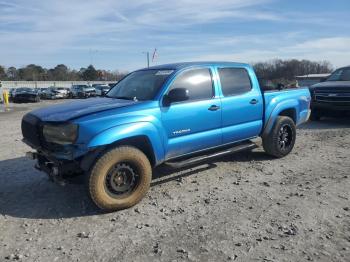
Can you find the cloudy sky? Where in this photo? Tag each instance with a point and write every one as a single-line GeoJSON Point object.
{"type": "Point", "coordinates": [113, 34]}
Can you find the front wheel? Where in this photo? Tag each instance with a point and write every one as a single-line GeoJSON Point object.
{"type": "Point", "coordinates": [120, 178]}
{"type": "Point", "coordinates": [280, 141]}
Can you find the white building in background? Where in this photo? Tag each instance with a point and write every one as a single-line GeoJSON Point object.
{"type": "Point", "coordinates": [309, 80]}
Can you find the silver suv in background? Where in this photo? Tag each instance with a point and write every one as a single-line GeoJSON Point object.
{"type": "Point", "coordinates": [101, 90]}
{"type": "Point", "coordinates": [82, 91]}
{"type": "Point", "coordinates": [55, 93]}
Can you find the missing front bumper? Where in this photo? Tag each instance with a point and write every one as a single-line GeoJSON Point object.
{"type": "Point", "coordinates": [58, 171]}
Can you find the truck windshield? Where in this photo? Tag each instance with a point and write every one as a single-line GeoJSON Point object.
{"type": "Point", "coordinates": [140, 85]}
{"type": "Point", "coordinates": [340, 75]}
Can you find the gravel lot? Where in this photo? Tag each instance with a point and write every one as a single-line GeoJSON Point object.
{"type": "Point", "coordinates": [244, 207]}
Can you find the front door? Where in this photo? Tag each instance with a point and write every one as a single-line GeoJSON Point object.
{"type": "Point", "coordinates": [194, 124]}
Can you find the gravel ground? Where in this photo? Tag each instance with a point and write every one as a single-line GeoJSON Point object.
{"type": "Point", "coordinates": [244, 207]}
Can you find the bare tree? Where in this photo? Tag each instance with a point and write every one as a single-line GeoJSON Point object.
{"type": "Point", "coordinates": [285, 71]}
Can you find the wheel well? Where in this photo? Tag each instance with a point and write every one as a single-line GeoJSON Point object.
{"type": "Point", "coordinates": [140, 142]}
{"type": "Point", "coordinates": [290, 113]}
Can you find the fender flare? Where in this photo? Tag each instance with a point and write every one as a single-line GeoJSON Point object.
{"type": "Point", "coordinates": [124, 131]}
{"type": "Point", "coordinates": [281, 106]}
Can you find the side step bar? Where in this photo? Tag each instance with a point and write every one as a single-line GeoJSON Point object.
{"type": "Point", "coordinates": [202, 158]}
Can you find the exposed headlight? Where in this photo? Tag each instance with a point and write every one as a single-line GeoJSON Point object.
{"type": "Point", "coordinates": [60, 134]}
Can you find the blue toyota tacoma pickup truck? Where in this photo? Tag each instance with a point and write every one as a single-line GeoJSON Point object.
{"type": "Point", "coordinates": [176, 114]}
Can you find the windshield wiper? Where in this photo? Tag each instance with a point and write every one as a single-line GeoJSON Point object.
{"type": "Point", "coordinates": [125, 97]}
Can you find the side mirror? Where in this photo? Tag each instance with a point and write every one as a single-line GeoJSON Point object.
{"type": "Point", "coordinates": [177, 95]}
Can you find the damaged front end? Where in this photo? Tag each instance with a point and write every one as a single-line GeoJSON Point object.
{"type": "Point", "coordinates": [58, 158]}
{"type": "Point", "coordinates": [57, 170]}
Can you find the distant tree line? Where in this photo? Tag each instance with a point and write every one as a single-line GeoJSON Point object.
{"type": "Point", "coordinates": [59, 73]}
{"type": "Point", "coordinates": [278, 71]}
{"type": "Point", "coordinates": [285, 71]}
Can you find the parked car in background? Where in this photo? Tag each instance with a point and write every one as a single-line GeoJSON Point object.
{"type": "Point", "coordinates": [44, 94]}
{"type": "Point", "coordinates": [332, 95]}
{"type": "Point", "coordinates": [69, 92]}
{"type": "Point", "coordinates": [176, 114]}
{"type": "Point", "coordinates": [42, 91]}
{"type": "Point", "coordinates": [102, 90]}
{"type": "Point", "coordinates": [63, 90]}
{"type": "Point", "coordinates": [83, 91]}
{"type": "Point", "coordinates": [55, 93]}
{"type": "Point", "coordinates": [25, 94]}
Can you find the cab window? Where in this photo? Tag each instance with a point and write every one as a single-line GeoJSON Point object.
{"type": "Point", "coordinates": [234, 81]}
{"type": "Point", "coordinates": [198, 82]}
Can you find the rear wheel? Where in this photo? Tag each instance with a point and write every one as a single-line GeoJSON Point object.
{"type": "Point", "coordinates": [120, 178]}
{"type": "Point", "coordinates": [280, 141]}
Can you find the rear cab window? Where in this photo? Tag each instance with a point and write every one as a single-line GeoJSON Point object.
{"type": "Point", "coordinates": [234, 81]}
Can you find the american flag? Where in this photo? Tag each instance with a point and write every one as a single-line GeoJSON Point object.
{"type": "Point", "coordinates": [155, 55]}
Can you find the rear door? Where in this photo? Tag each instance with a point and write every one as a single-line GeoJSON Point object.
{"type": "Point", "coordinates": [194, 124]}
{"type": "Point", "coordinates": [242, 104]}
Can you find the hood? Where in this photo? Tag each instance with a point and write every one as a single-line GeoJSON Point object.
{"type": "Point", "coordinates": [71, 110]}
{"type": "Point", "coordinates": [333, 85]}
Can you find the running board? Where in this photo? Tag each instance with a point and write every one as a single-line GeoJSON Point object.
{"type": "Point", "coordinates": [202, 158]}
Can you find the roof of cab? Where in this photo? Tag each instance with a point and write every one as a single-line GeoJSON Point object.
{"type": "Point", "coordinates": [178, 66]}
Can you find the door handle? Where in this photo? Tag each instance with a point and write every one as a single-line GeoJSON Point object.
{"type": "Point", "coordinates": [214, 108]}
{"type": "Point", "coordinates": [254, 101]}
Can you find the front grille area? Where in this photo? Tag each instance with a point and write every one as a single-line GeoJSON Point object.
{"type": "Point", "coordinates": [31, 129]}
{"type": "Point", "coordinates": [333, 97]}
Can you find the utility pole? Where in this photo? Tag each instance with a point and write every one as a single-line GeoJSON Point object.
{"type": "Point", "coordinates": [147, 59]}
{"type": "Point", "coordinates": [147, 55]}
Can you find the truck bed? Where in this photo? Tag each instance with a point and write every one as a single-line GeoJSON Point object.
{"type": "Point", "coordinates": [276, 101]}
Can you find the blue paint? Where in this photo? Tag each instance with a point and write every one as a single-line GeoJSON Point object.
{"type": "Point", "coordinates": [181, 128]}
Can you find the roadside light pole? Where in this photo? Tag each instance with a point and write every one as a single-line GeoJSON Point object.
{"type": "Point", "coordinates": [147, 55]}
{"type": "Point", "coordinates": [147, 59]}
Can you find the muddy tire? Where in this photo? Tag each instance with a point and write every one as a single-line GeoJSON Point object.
{"type": "Point", "coordinates": [280, 141]}
{"type": "Point", "coordinates": [120, 178]}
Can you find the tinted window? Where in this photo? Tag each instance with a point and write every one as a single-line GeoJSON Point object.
{"type": "Point", "coordinates": [340, 75]}
{"type": "Point", "coordinates": [198, 83]}
{"type": "Point", "coordinates": [234, 81]}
